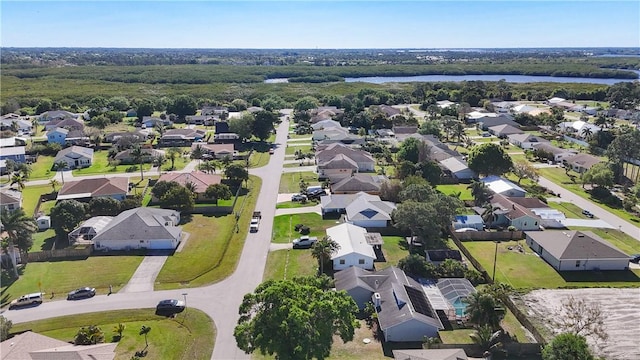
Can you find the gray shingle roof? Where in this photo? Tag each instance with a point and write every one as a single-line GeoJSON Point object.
{"type": "Point", "coordinates": [570, 245]}
{"type": "Point", "coordinates": [141, 224]}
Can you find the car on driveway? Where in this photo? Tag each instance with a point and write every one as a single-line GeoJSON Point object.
{"type": "Point", "coordinates": [587, 213]}
{"type": "Point", "coordinates": [635, 258]}
{"type": "Point", "coordinates": [304, 242]}
{"type": "Point", "coordinates": [170, 307]}
{"type": "Point", "coordinates": [81, 293]}
{"type": "Point", "coordinates": [298, 197]}
{"type": "Point", "coordinates": [26, 300]}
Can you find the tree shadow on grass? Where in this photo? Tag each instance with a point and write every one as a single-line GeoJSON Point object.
{"type": "Point", "coordinates": [7, 280]}
{"type": "Point", "coordinates": [600, 276]}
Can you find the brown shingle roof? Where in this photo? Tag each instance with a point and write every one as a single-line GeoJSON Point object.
{"type": "Point", "coordinates": [96, 187]}
{"type": "Point", "coordinates": [199, 179]}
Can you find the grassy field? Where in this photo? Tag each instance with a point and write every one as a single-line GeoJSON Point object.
{"type": "Point", "coordinates": [213, 248]}
{"type": "Point", "coordinates": [465, 194]}
{"type": "Point", "coordinates": [188, 336]}
{"type": "Point", "coordinates": [569, 209]}
{"type": "Point", "coordinates": [289, 263]}
{"type": "Point", "coordinates": [43, 240]}
{"type": "Point", "coordinates": [283, 231]}
{"type": "Point", "coordinates": [30, 196]}
{"type": "Point", "coordinates": [41, 169]}
{"type": "Point", "coordinates": [60, 277]}
{"type": "Point", "coordinates": [291, 150]}
{"type": "Point", "coordinates": [296, 204]}
{"type": "Point", "coordinates": [290, 182]}
{"type": "Point", "coordinates": [394, 249]}
{"type": "Point", "coordinates": [559, 177]}
{"type": "Point", "coordinates": [301, 138]}
{"type": "Point", "coordinates": [101, 165]}
{"type": "Point", "coordinates": [528, 271]}
{"type": "Point", "coordinates": [458, 336]}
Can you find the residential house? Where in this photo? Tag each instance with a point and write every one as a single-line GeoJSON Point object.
{"type": "Point", "coordinates": [404, 129]}
{"type": "Point", "coordinates": [383, 133]}
{"type": "Point", "coordinates": [369, 183]}
{"type": "Point", "coordinates": [555, 100]}
{"type": "Point", "coordinates": [389, 111]}
{"type": "Point", "coordinates": [437, 256]}
{"type": "Point", "coordinates": [325, 125]}
{"type": "Point", "coordinates": [57, 136]}
{"type": "Point", "coordinates": [113, 187]}
{"type": "Point", "coordinates": [523, 109]}
{"type": "Point", "coordinates": [56, 115]}
{"type": "Point", "coordinates": [354, 249]}
{"type": "Point", "coordinates": [150, 122]}
{"type": "Point", "coordinates": [330, 133]}
{"type": "Point", "coordinates": [579, 127]}
{"type": "Point", "coordinates": [254, 109]}
{"type": "Point", "coordinates": [33, 346]}
{"type": "Point", "coordinates": [549, 217]}
{"type": "Point", "coordinates": [325, 113]}
{"type": "Point", "coordinates": [70, 124]}
{"type": "Point", "coordinates": [503, 119]}
{"type": "Point", "coordinates": [341, 138]}
{"type": "Point", "coordinates": [581, 162]}
{"type": "Point", "coordinates": [10, 200]}
{"type": "Point", "coordinates": [526, 141]}
{"type": "Point", "coordinates": [368, 213]}
{"type": "Point", "coordinates": [456, 167]}
{"type": "Point", "coordinates": [137, 136]}
{"type": "Point", "coordinates": [199, 180]}
{"type": "Point", "coordinates": [475, 116]}
{"type": "Point", "coordinates": [429, 354]}
{"type": "Point", "coordinates": [141, 228]}
{"type": "Point", "coordinates": [16, 153]}
{"type": "Point", "coordinates": [218, 151]}
{"type": "Point", "coordinates": [131, 113]}
{"type": "Point", "coordinates": [12, 141]}
{"type": "Point", "coordinates": [502, 186]}
{"type": "Point", "coordinates": [509, 213]}
{"type": "Point", "coordinates": [226, 138]}
{"type": "Point", "coordinates": [444, 103]}
{"type": "Point", "coordinates": [403, 310]}
{"type": "Point", "coordinates": [64, 137]}
{"type": "Point", "coordinates": [502, 131]}
{"type": "Point", "coordinates": [468, 222]}
{"type": "Point", "coordinates": [91, 227]}
{"type": "Point", "coordinates": [363, 159]}
{"type": "Point", "coordinates": [337, 203]}
{"type": "Point", "coordinates": [577, 251]}
{"type": "Point", "coordinates": [213, 110]}
{"type": "Point", "coordinates": [125, 157]}
{"type": "Point", "coordinates": [339, 165]}
{"type": "Point", "coordinates": [23, 126]}
{"type": "Point", "coordinates": [181, 137]}
{"type": "Point", "coordinates": [559, 154]}
{"type": "Point", "coordinates": [76, 157]}
{"type": "Point", "coordinates": [206, 120]}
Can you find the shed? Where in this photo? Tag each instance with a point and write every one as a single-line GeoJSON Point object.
{"type": "Point", "coordinates": [44, 222]}
{"type": "Point", "coordinates": [469, 221]}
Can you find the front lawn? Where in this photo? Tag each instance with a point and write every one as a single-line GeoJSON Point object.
{"type": "Point", "coordinates": [31, 195]}
{"type": "Point", "coordinates": [283, 231]}
{"type": "Point", "coordinates": [528, 271]}
{"type": "Point", "coordinates": [465, 193]}
{"type": "Point", "coordinates": [41, 169]}
{"type": "Point", "coordinates": [569, 209]}
{"type": "Point", "coordinates": [296, 204]}
{"type": "Point", "coordinates": [559, 177]}
{"type": "Point", "coordinates": [290, 182]}
{"type": "Point", "coordinates": [213, 248]}
{"type": "Point", "coordinates": [60, 277]}
{"type": "Point", "coordinates": [292, 148]}
{"type": "Point", "coordinates": [290, 263]}
{"type": "Point", "coordinates": [190, 335]}
{"type": "Point", "coordinates": [101, 165]}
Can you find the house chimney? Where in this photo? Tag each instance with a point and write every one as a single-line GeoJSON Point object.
{"type": "Point", "coordinates": [376, 300]}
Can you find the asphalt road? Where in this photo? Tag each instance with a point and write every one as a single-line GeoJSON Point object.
{"type": "Point", "coordinates": [617, 222]}
{"type": "Point", "coordinates": [220, 301]}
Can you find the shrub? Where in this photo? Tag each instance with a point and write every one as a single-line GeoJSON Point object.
{"type": "Point", "coordinates": [297, 227]}
{"type": "Point", "coordinates": [305, 230]}
{"type": "Point", "coordinates": [600, 193]}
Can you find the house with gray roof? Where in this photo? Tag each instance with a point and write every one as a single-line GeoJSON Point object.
{"type": "Point", "coordinates": [76, 157]}
{"type": "Point", "coordinates": [10, 200]}
{"type": "Point", "coordinates": [33, 346]}
{"type": "Point", "coordinates": [337, 203]}
{"type": "Point", "coordinates": [369, 212]}
{"type": "Point", "coordinates": [15, 153]}
{"type": "Point", "coordinates": [369, 183]}
{"type": "Point", "coordinates": [457, 168]}
{"type": "Point", "coordinates": [141, 228]}
{"type": "Point", "coordinates": [114, 187]}
{"type": "Point", "coordinates": [559, 154]}
{"type": "Point", "coordinates": [577, 251]}
{"type": "Point", "coordinates": [489, 121]}
{"type": "Point", "coordinates": [148, 155]}
{"type": "Point", "coordinates": [509, 213]}
{"type": "Point", "coordinates": [339, 165]}
{"type": "Point", "coordinates": [504, 130]}
{"type": "Point", "coordinates": [525, 141]}
{"type": "Point", "coordinates": [403, 309]}
{"type": "Point", "coordinates": [181, 137]}
{"type": "Point", "coordinates": [70, 124]}
{"type": "Point", "coordinates": [56, 115]}
{"type": "Point", "coordinates": [364, 161]}
{"type": "Point", "coordinates": [326, 125]}
{"type": "Point", "coordinates": [580, 163]}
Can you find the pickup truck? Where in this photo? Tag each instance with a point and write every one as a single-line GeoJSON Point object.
{"type": "Point", "coordinates": [255, 221]}
{"type": "Point", "coordinates": [304, 242]}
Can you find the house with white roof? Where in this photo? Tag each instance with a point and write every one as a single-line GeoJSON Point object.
{"type": "Point", "coordinates": [368, 213]}
{"type": "Point", "coordinates": [520, 109]}
{"type": "Point", "coordinates": [457, 168]}
{"type": "Point", "coordinates": [578, 127]}
{"type": "Point", "coordinates": [76, 157]}
{"type": "Point", "coordinates": [559, 154]}
{"type": "Point", "coordinates": [326, 124]}
{"type": "Point", "coordinates": [526, 141]}
{"type": "Point", "coordinates": [503, 186]}
{"type": "Point", "coordinates": [354, 248]}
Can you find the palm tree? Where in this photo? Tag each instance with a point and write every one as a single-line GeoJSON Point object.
{"type": "Point", "coordinates": [322, 251]}
{"type": "Point", "coordinates": [587, 132]}
{"type": "Point", "coordinates": [20, 229]}
{"type": "Point", "coordinates": [226, 161]}
{"type": "Point", "coordinates": [480, 192]}
{"type": "Point", "coordinates": [144, 330]}
{"type": "Point", "coordinates": [487, 339]}
{"type": "Point", "coordinates": [35, 123]}
{"type": "Point", "coordinates": [172, 154]}
{"type": "Point", "coordinates": [197, 153]}
{"type": "Point", "coordinates": [61, 166]}
{"type": "Point", "coordinates": [119, 329]}
{"type": "Point", "coordinates": [54, 184]}
{"type": "Point", "coordinates": [17, 179]}
{"type": "Point", "coordinates": [158, 161]}
{"type": "Point", "coordinates": [160, 129]}
{"type": "Point", "coordinates": [481, 309]}
{"type": "Point", "coordinates": [138, 155]}
{"type": "Point", "coordinates": [191, 187]}
{"type": "Point", "coordinates": [489, 214]}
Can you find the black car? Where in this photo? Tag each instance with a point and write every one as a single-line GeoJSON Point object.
{"type": "Point", "coordinates": [81, 293]}
{"type": "Point", "coordinates": [170, 307]}
{"type": "Point", "coordinates": [316, 194]}
{"type": "Point", "coordinates": [635, 258]}
{"type": "Point", "coordinates": [587, 213]}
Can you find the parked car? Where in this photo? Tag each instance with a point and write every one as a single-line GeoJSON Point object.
{"type": "Point", "coordinates": [25, 300]}
{"type": "Point", "coordinates": [81, 293]}
{"type": "Point", "coordinates": [587, 213]}
{"type": "Point", "coordinates": [271, 151]}
{"type": "Point", "coordinates": [635, 258]}
{"type": "Point", "coordinates": [170, 307]}
{"type": "Point", "coordinates": [304, 242]}
{"type": "Point", "coordinates": [316, 194]}
{"type": "Point", "coordinates": [298, 197]}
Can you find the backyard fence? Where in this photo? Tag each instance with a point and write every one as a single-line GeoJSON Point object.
{"type": "Point", "coordinates": [512, 349]}
{"type": "Point", "coordinates": [46, 255]}
{"type": "Point", "coordinates": [489, 235]}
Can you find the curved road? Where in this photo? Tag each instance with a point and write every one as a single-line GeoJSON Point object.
{"type": "Point", "coordinates": [220, 301]}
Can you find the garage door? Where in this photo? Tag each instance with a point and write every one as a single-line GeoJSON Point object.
{"type": "Point", "coordinates": [160, 244]}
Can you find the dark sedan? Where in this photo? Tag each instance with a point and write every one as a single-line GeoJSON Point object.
{"type": "Point", "coordinates": [81, 293]}
{"type": "Point", "coordinates": [170, 307]}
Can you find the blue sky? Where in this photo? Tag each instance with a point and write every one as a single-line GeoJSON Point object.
{"type": "Point", "coordinates": [320, 24]}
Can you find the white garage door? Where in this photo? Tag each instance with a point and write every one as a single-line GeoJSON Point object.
{"type": "Point", "coordinates": [160, 244]}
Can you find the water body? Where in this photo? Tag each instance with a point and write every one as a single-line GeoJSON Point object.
{"type": "Point", "coordinates": [507, 78]}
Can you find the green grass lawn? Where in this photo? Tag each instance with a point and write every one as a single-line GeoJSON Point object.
{"type": "Point", "coordinates": [60, 277]}
{"type": "Point", "coordinates": [559, 177]}
{"type": "Point", "coordinates": [179, 164]}
{"type": "Point", "coordinates": [511, 325]}
{"type": "Point", "coordinates": [101, 165]}
{"type": "Point", "coordinates": [457, 336]}
{"type": "Point", "coordinates": [289, 263]}
{"type": "Point", "coordinates": [43, 240]}
{"type": "Point", "coordinates": [291, 150]}
{"type": "Point", "coordinates": [296, 136]}
{"type": "Point", "coordinates": [30, 196]}
{"type": "Point", "coordinates": [41, 169]}
{"type": "Point", "coordinates": [528, 271]}
{"type": "Point", "coordinates": [188, 336]}
{"type": "Point", "coordinates": [259, 159]}
{"type": "Point", "coordinates": [394, 249]}
{"type": "Point", "coordinates": [569, 209]}
{"type": "Point", "coordinates": [290, 182]}
{"type": "Point", "coordinates": [283, 231]}
{"type": "Point", "coordinates": [465, 193]}
{"type": "Point", "coordinates": [213, 248]}
{"type": "Point", "coordinates": [296, 204]}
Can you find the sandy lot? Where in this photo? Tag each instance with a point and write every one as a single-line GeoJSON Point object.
{"type": "Point", "coordinates": [622, 316]}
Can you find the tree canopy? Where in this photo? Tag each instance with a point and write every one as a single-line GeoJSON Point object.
{"type": "Point", "coordinates": [295, 319]}
{"type": "Point", "coordinates": [567, 347]}
{"type": "Point", "coordinates": [66, 215]}
{"type": "Point", "coordinates": [242, 126]}
{"type": "Point", "coordinates": [489, 159]}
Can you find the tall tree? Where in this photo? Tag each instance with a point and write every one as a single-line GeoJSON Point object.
{"type": "Point", "coordinates": [60, 166]}
{"type": "Point", "coordinates": [295, 319]}
{"type": "Point", "coordinates": [236, 174]}
{"type": "Point", "coordinates": [182, 106]}
{"type": "Point", "coordinates": [599, 174]}
{"type": "Point", "coordinates": [522, 169]}
{"type": "Point", "coordinates": [263, 124]}
{"type": "Point", "coordinates": [20, 229]}
{"type": "Point", "coordinates": [172, 154]}
{"type": "Point", "coordinates": [138, 155]}
{"type": "Point", "coordinates": [178, 198]}
{"type": "Point", "coordinates": [482, 309]}
{"type": "Point", "coordinates": [489, 214]}
{"type": "Point", "coordinates": [322, 251]}
{"type": "Point", "coordinates": [5, 328]}
{"type": "Point", "coordinates": [197, 153]}
{"type": "Point", "coordinates": [489, 159]}
{"type": "Point", "coordinates": [66, 216]}
{"type": "Point", "coordinates": [409, 150]}
{"type": "Point", "coordinates": [480, 193]}
{"type": "Point", "coordinates": [217, 192]}
{"type": "Point", "coordinates": [242, 126]}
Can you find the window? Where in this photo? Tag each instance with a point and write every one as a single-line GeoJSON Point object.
{"type": "Point", "coordinates": [361, 261]}
{"type": "Point", "coordinates": [577, 263]}
{"type": "Point", "coordinates": [342, 262]}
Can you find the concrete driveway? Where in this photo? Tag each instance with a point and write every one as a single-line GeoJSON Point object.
{"type": "Point", "coordinates": [596, 223]}
{"type": "Point", "coordinates": [145, 275]}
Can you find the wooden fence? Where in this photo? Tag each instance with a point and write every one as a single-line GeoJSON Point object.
{"type": "Point", "coordinates": [489, 235]}
{"type": "Point", "coordinates": [46, 255]}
